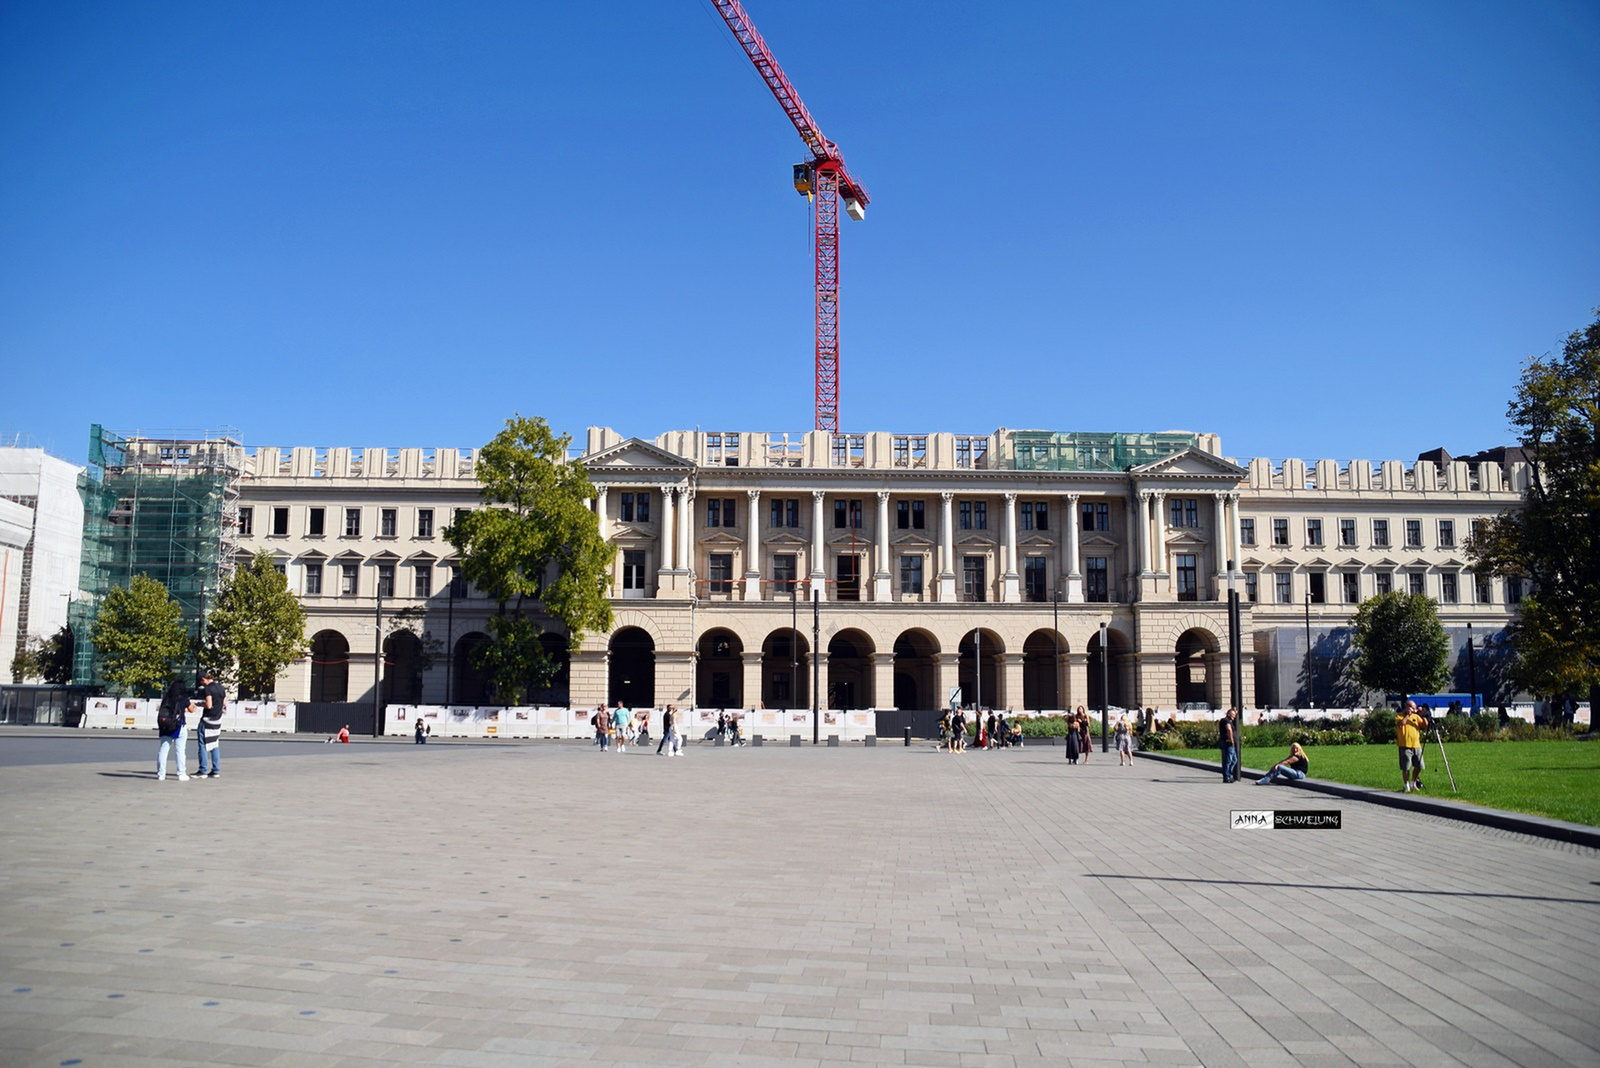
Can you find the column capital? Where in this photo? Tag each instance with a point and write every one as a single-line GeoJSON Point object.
{"type": "Point", "coordinates": [1074, 497]}
{"type": "Point", "coordinates": [1145, 495]}
{"type": "Point", "coordinates": [946, 496]}
{"type": "Point", "coordinates": [1011, 498]}
{"type": "Point", "coordinates": [753, 494]}
{"type": "Point", "coordinates": [883, 495]}
{"type": "Point", "coordinates": [817, 495]}
{"type": "Point", "coordinates": [1233, 496]}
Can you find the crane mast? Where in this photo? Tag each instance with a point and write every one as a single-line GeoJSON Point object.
{"type": "Point", "coordinates": [825, 180]}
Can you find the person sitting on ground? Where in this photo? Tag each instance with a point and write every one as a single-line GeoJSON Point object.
{"type": "Point", "coordinates": [1016, 733]}
{"type": "Point", "coordinates": [1291, 770]}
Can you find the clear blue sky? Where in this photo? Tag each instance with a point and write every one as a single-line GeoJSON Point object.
{"type": "Point", "coordinates": [1318, 229]}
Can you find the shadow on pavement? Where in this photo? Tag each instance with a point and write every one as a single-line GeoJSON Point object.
{"type": "Point", "coordinates": [1358, 889]}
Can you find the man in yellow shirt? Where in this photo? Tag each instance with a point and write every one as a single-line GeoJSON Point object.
{"type": "Point", "coordinates": [1408, 728]}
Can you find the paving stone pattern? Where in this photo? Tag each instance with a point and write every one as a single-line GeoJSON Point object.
{"type": "Point", "coordinates": [546, 904]}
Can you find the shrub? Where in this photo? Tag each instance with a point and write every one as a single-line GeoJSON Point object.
{"type": "Point", "coordinates": [1156, 741]}
{"type": "Point", "coordinates": [1378, 726]}
{"type": "Point", "coordinates": [1048, 727]}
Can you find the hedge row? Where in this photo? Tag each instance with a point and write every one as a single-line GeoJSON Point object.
{"type": "Point", "coordinates": [1376, 728]}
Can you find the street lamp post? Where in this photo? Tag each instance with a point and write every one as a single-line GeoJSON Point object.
{"type": "Point", "coordinates": [1472, 672]}
{"type": "Point", "coordinates": [794, 643]}
{"type": "Point", "coordinates": [1055, 627]}
{"type": "Point", "coordinates": [1311, 677]}
{"type": "Point", "coordinates": [1235, 639]}
{"type": "Point", "coordinates": [816, 664]}
{"type": "Point", "coordinates": [450, 640]}
{"type": "Point", "coordinates": [1105, 680]}
{"type": "Point", "coordinates": [377, 660]}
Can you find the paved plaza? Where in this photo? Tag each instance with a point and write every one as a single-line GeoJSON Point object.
{"type": "Point", "coordinates": [522, 904]}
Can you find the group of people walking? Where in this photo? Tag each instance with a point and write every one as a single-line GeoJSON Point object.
{"type": "Point", "coordinates": [172, 726]}
{"type": "Point", "coordinates": [992, 733]}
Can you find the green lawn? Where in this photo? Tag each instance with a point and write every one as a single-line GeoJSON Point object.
{"type": "Point", "coordinates": [1560, 780]}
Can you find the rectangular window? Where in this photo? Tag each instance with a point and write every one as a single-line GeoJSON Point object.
{"type": "Point", "coordinates": [730, 515]}
{"type": "Point", "coordinates": [386, 580]}
{"type": "Point", "coordinates": [1033, 576]}
{"type": "Point", "coordinates": [980, 515]}
{"type": "Point", "coordinates": [280, 522]}
{"type": "Point", "coordinates": [784, 511]}
{"type": "Point", "coordinates": [1478, 527]}
{"type": "Point", "coordinates": [1247, 531]}
{"type": "Point", "coordinates": [247, 522]}
{"type": "Point", "coordinates": [313, 580]}
{"type": "Point", "coordinates": [1035, 515]}
{"type": "Point", "coordinates": [1352, 587]}
{"type": "Point", "coordinates": [458, 583]}
{"type": "Point", "coordinates": [1096, 517]}
{"type": "Point", "coordinates": [783, 573]}
{"type": "Point", "coordinates": [911, 574]}
{"type": "Point", "coordinates": [1347, 533]}
{"type": "Point", "coordinates": [625, 508]}
{"type": "Point", "coordinates": [349, 582]}
{"type": "Point", "coordinates": [902, 515]}
{"type": "Point", "coordinates": [424, 522]}
{"type": "Point", "coordinates": [1191, 512]}
{"type": "Point", "coordinates": [1314, 533]}
{"type": "Point", "coordinates": [721, 573]}
{"type": "Point", "coordinates": [847, 514]}
{"type": "Point", "coordinates": [1513, 591]}
{"type": "Point", "coordinates": [352, 522]}
{"type": "Point", "coordinates": [388, 522]}
{"type": "Point", "coordinates": [422, 580]}
{"type": "Point", "coordinates": [1447, 534]}
{"type": "Point", "coordinates": [1285, 592]}
{"type": "Point", "coordinates": [1414, 581]}
{"type": "Point", "coordinates": [1485, 590]}
{"type": "Point", "coordinates": [1252, 587]}
{"type": "Point", "coordinates": [973, 580]}
{"type": "Point", "coordinates": [315, 522]}
{"type": "Point", "coordinates": [1385, 582]}
{"type": "Point", "coordinates": [966, 515]}
{"type": "Point", "coordinates": [633, 572]}
{"type": "Point", "coordinates": [1380, 533]}
{"type": "Point", "coordinates": [1176, 505]}
{"type": "Point", "coordinates": [634, 508]}
{"type": "Point", "coordinates": [1317, 587]}
{"type": "Point", "coordinates": [1024, 515]}
{"type": "Point", "coordinates": [1096, 587]}
{"type": "Point", "coordinates": [1413, 533]}
{"type": "Point", "coordinates": [847, 572]}
{"type": "Point", "coordinates": [461, 513]}
{"type": "Point", "coordinates": [1188, 583]}
{"type": "Point", "coordinates": [713, 511]}
{"type": "Point", "coordinates": [1448, 592]}
{"type": "Point", "coordinates": [1280, 532]}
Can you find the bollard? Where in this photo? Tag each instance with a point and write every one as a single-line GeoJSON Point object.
{"type": "Point", "coordinates": [719, 741]}
{"type": "Point", "coordinates": [908, 736]}
{"type": "Point", "coordinates": [833, 741]}
{"type": "Point", "coordinates": [871, 740]}
{"type": "Point", "coordinates": [794, 741]}
{"type": "Point", "coordinates": [755, 739]}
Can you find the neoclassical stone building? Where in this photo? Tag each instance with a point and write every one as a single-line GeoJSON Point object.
{"type": "Point", "coordinates": [890, 567]}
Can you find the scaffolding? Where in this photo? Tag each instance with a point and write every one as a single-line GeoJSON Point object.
{"type": "Point", "coordinates": [161, 505]}
{"type": "Point", "coordinates": [1043, 450]}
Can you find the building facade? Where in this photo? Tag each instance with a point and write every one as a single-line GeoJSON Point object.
{"type": "Point", "coordinates": [1033, 570]}
{"type": "Point", "coordinates": [46, 563]}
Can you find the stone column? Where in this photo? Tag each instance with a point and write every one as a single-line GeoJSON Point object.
{"type": "Point", "coordinates": [1010, 695]}
{"type": "Point", "coordinates": [664, 552]}
{"type": "Point", "coordinates": [883, 680]}
{"type": "Point", "coordinates": [1009, 591]}
{"type": "Point", "coordinates": [947, 554]}
{"type": "Point", "coordinates": [819, 566]}
{"type": "Point", "coordinates": [1074, 576]}
{"type": "Point", "coordinates": [752, 552]}
{"type": "Point", "coordinates": [751, 695]}
{"type": "Point", "coordinates": [1235, 547]}
{"type": "Point", "coordinates": [685, 557]}
{"type": "Point", "coordinates": [1161, 533]}
{"type": "Point", "coordinates": [600, 513]}
{"type": "Point", "coordinates": [949, 678]}
{"type": "Point", "coordinates": [1139, 531]}
{"type": "Point", "coordinates": [1219, 540]}
{"type": "Point", "coordinates": [882, 579]}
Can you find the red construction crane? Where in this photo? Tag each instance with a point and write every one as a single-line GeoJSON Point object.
{"type": "Point", "coordinates": [823, 179]}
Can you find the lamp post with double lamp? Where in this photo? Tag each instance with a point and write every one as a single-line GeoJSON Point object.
{"type": "Point", "coordinates": [1472, 673]}
{"type": "Point", "coordinates": [377, 654]}
{"type": "Point", "coordinates": [1311, 674]}
{"type": "Point", "coordinates": [816, 664]}
{"type": "Point", "coordinates": [794, 643]}
{"type": "Point", "coordinates": [1105, 680]}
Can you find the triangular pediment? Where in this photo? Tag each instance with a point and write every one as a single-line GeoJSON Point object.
{"type": "Point", "coordinates": [912, 541]}
{"type": "Point", "coordinates": [637, 455]}
{"type": "Point", "coordinates": [385, 557]}
{"type": "Point", "coordinates": [786, 541]}
{"type": "Point", "coordinates": [721, 540]}
{"type": "Point", "coordinates": [1186, 537]}
{"type": "Point", "coordinates": [1319, 562]}
{"type": "Point", "coordinates": [1036, 541]}
{"type": "Point", "coordinates": [423, 557]}
{"type": "Point", "coordinates": [1351, 562]}
{"type": "Point", "coordinates": [1191, 463]}
{"type": "Point", "coordinates": [1097, 541]}
{"type": "Point", "coordinates": [313, 554]}
{"type": "Point", "coordinates": [975, 541]}
{"type": "Point", "coordinates": [1386, 562]}
{"type": "Point", "coordinates": [1254, 561]}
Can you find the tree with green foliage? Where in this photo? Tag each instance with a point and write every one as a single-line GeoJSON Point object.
{"type": "Point", "coordinates": [256, 628]}
{"type": "Point", "coordinates": [536, 551]}
{"type": "Point", "coordinates": [139, 637]}
{"type": "Point", "coordinates": [1553, 539]}
{"type": "Point", "coordinates": [1401, 645]}
{"type": "Point", "coordinates": [49, 658]}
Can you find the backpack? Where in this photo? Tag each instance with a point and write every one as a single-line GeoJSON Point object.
{"type": "Point", "coordinates": [167, 721]}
